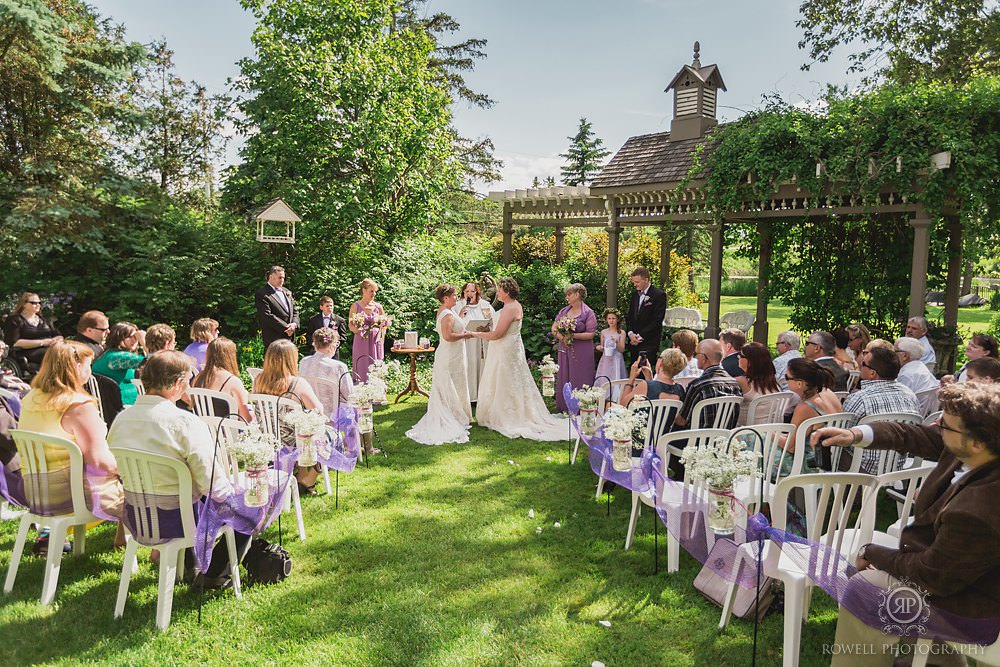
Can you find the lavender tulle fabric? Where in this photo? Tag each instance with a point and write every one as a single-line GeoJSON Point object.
{"type": "Point", "coordinates": [684, 517]}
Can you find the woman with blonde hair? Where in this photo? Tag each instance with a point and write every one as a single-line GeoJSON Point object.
{"type": "Point", "coordinates": [203, 331]}
{"type": "Point", "coordinates": [576, 347]}
{"type": "Point", "coordinates": [58, 405]}
{"type": "Point", "coordinates": [368, 341]}
{"type": "Point", "coordinates": [471, 306]}
{"type": "Point", "coordinates": [279, 377]}
{"type": "Point", "coordinates": [222, 373]}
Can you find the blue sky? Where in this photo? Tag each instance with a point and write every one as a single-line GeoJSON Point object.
{"type": "Point", "coordinates": [549, 63]}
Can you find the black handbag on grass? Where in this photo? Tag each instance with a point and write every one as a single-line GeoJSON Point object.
{"type": "Point", "coordinates": [266, 563]}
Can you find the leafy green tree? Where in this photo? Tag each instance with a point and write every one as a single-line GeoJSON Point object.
{"type": "Point", "coordinates": [346, 118]}
{"type": "Point", "coordinates": [584, 156]}
{"type": "Point", "coordinates": [906, 40]}
{"type": "Point", "coordinates": [175, 133]}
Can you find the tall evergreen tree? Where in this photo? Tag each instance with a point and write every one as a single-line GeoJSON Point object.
{"type": "Point", "coordinates": [584, 157]}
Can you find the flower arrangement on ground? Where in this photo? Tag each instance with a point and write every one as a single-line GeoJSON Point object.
{"type": "Point", "coordinates": [254, 449]}
{"type": "Point", "coordinates": [589, 398]}
{"type": "Point", "coordinates": [548, 370]}
{"type": "Point", "coordinates": [620, 425]}
{"type": "Point", "coordinates": [720, 462]}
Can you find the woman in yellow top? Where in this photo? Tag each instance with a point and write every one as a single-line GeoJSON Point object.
{"type": "Point", "coordinates": [58, 405]}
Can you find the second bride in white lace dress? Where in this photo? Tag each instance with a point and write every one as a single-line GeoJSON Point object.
{"type": "Point", "coordinates": [449, 413]}
{"type": "Point", "coordinates": [509, 400]}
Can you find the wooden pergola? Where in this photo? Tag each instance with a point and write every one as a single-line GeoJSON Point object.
{"type": "Point", "coordinates": [647, 184]}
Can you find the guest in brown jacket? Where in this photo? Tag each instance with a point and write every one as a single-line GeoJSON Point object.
{"type": "Point", "coordinates": [952, 548]}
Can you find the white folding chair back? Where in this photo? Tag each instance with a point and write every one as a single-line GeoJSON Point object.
{"type": "Point", "coordinates": [805, 429]}
{"type": "Point", "coordinates": [932, 417]}
{"type": "Point", "coordinates": [328, 393]}
{"type": "Point", "coordinates": [853, 378]}
{"type": "Point", "coordinates": [911, 479]}
{"type": "Point", "coordinates": [831, 526]}
{"type": "Point", "coordinates": [267, 411]}
{"type": "Point", "coordinates": [887, 460]}
{"type": "Point", "coordinates": [928, 401]}
{"type": "Point", "coordinates": [616, 384]}
{"type": "Point", "coordinates": [772, 454]}
{"type": "Point", "coordinates": [228, 430]}
{"type": "Point", "coordinates": [94, 390]}
{"type": "Point", "coordinates": [841, 396]}
{"type": "Point", "coordinates": [738, 319]}
{"type": "Point", "coordinates": [725, 412]}
{"type": "Point", "coordinates": [139, 387]}
{"type": "Point", "coordinates": [31, 448]}
{"type": "Point", "coordinates": [203, 402]}
{"type": "Point", "coordinates": [139, 471]}
{"type": "Point", "coordinates": [661, 413]}
{"type": "Point", "coordinates": [768, 408]}
{"type": "Point", "coordinates": [253, 373]}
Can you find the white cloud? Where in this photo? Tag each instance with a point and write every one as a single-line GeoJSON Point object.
{"type": "Point", "coordinates": [519, 170]}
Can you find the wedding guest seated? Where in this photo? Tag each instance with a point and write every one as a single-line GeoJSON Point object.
{"type": "Point", "coordinates": [203, 331]}
{"type": "Point", "coordinates": [121, 358]}
{"type": "Point", "coordinates": [984, 369]}
{"type": "Point", "coordinates": [328, 319]}
{"type": "Point", "coordinates": [324, 364]}
{"type": "Point", "coordinates": [279, 377]}
{"type": "Point", "coordinates": [156, 425]}
{"type": "Point", "coordinates": [917, 328]}
{"type": "Point", "coordinates": [732, 341]}
{"type": "Point", "coordinates": [858, 338]}
{"type": "Point", "coordinates": [29, 334]}
{"type": "Point", "coordinates": [713, 383]}
{"type": "Point", "coordinates": [843, 353]}
{"type": "Point", "coordinates": [643, 383]}
{"type": "Point", "coordinates": [787, 346]}
{"type": "Point", "coordinates": [979, 346]}
{"type": "Point", "coordinates": [222, 373]}
{"type": "Point", "coordinates": [880, 393]}
{"type": "Point", "coordinates": [758, 376]}
{"type": "Point", "coordinates": [58, 405]}
{"type": "Point", "coordinates": [160, 337]}
{"type": "Point", "coordinates": [92, 331]}
{"type": "Point", "coordinates": [8, 380]}
{"type": "Point", "coordinates": [820, 347]}
{"type": "Point", "coordinates": [913, 372]}
{"type": "Point", "coordinates": [687, 342]}
{"type": "Point", "coordinates": [948, 552]}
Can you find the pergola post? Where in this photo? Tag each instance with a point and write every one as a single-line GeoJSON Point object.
{"type": "Point", "coordinates": [613, 232]}
{"type": "Point", "coordinates": [507, 229]}
{"type": "Point", "coordinates": [918, 271]}
{"type": "Point", "coordinates": [560, 249]}
{"type": "Point", "coordinates": [714, 282]}
{"type": "Point", "coordinates": [766, 234]}
{"type": "Point", "coordinates": [951, 294]}
{"type": "Point", "coordinates": [665, 258]}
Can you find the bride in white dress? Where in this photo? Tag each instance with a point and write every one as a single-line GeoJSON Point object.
{"type": "Point", "coordinates": [449, 413]}
{"type": "Point", "coordinates": [509, 400]}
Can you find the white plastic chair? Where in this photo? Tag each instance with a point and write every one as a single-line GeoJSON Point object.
{"type": "Point", "coordinates": [616, 384]}
{"type": "Point", "coordinates": [887, 460]}
{"type": "Point", "coordinates": [725, 412]}
{"type": "Point", "coordinates": [672, 499]}
{"type": "Point", "coordinates": [139, 387]}
{"type": "Point", "coordinates": [768, 408]}
{"type": "Point", "coordinates": [94, 390]}
{"type": "Point", "coordinates": [138, 470]}
{"type": "Point", "coordinates": [932, 417]}
{"type": "Point", "coordinates": [772, 455]}
{"type": "Point", "coordinates": [853, 378]}
{"type": "Point", "coordinates": [928, 401]}
{"type": "Point", "coordinates": [683, 318]}
{"type": "Point", "coordinates": [738, 319]}
{"type": "Point", "coordinates": [253, 373]}
{"type": "Point", "coordinates": [267, 410]}
{"type": "Point", "coordinates": [203, 405]}
{"type": "Point", "coordinates": [841, 396]}
{"type": "Point", "coordinates": [789, 562]}
{"type": "Point", "coordinates": [31, 449]}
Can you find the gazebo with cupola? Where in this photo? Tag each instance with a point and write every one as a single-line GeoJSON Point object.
{"type": "Point", "coordinates": [648, 183]}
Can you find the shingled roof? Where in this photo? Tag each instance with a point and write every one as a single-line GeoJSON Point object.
{"type": "Point", "coordinates": [649, 158]}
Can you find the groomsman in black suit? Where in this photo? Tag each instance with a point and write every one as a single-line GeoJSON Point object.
{"type": "Point", "coordinates": [277, 314]}
{"type": "Point", "coordinates": [645, 317]}
{"type": "Point", "coordinates": [326, 318]}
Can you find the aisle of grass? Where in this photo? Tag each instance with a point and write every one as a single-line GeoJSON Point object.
{"type": "Point", "coordinates": [431, 559]}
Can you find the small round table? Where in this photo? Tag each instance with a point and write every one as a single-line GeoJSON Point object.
{"type": "Point", "coordinates": [414, 386]}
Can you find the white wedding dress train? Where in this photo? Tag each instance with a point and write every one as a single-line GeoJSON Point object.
{"type": "Point", "coordinates": [509, 400]}
{"type": "Point", "coordinates": [449, 413]}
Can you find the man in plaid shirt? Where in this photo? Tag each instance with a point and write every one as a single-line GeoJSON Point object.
{"type": "Point", "coordinates": [880, 394]}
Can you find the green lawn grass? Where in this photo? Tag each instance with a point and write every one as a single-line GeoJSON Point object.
{"type": "Point", "coordinates": [431, 559]}
{"type": "Point", "coordinates": [970, 320]}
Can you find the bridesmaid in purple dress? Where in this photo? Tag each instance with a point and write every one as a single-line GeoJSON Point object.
{"type": "Point", "coordinates": [371, 345]}
{"type": "Point", "coordinates": [576, 360]}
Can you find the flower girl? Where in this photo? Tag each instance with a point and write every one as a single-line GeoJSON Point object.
{"type": "Point", "coordinates": [612, 364]}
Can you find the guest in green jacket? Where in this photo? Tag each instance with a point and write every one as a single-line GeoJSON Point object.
{"type": "Point", "coordinates": [122, 357]}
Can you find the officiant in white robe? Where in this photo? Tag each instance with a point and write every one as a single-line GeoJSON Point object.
{"type": "Point", "coordinates": [470, 308]}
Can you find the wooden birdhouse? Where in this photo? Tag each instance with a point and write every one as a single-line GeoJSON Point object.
{"type": "Point", "coordinates": [276, 223]}
{"type": "Point", "coordinates": [695, 91]}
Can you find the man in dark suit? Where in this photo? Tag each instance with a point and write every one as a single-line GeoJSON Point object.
{"type": "Point", "coordinates": [277, 314]}
{"type": "Point", "coordinates": [645, 316]}
{"type": "Point", "coordinates": [820, 347]}
{"type": "Point", "coordinates": [326, 318]}
{"type": "Point", "coordinates": [948, 551]}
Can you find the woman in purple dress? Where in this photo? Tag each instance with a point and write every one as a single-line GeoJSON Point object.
{"type": "Point", "coordinates": [368, 338]}
{"type": "Point", "coordinates": [576, 349]}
